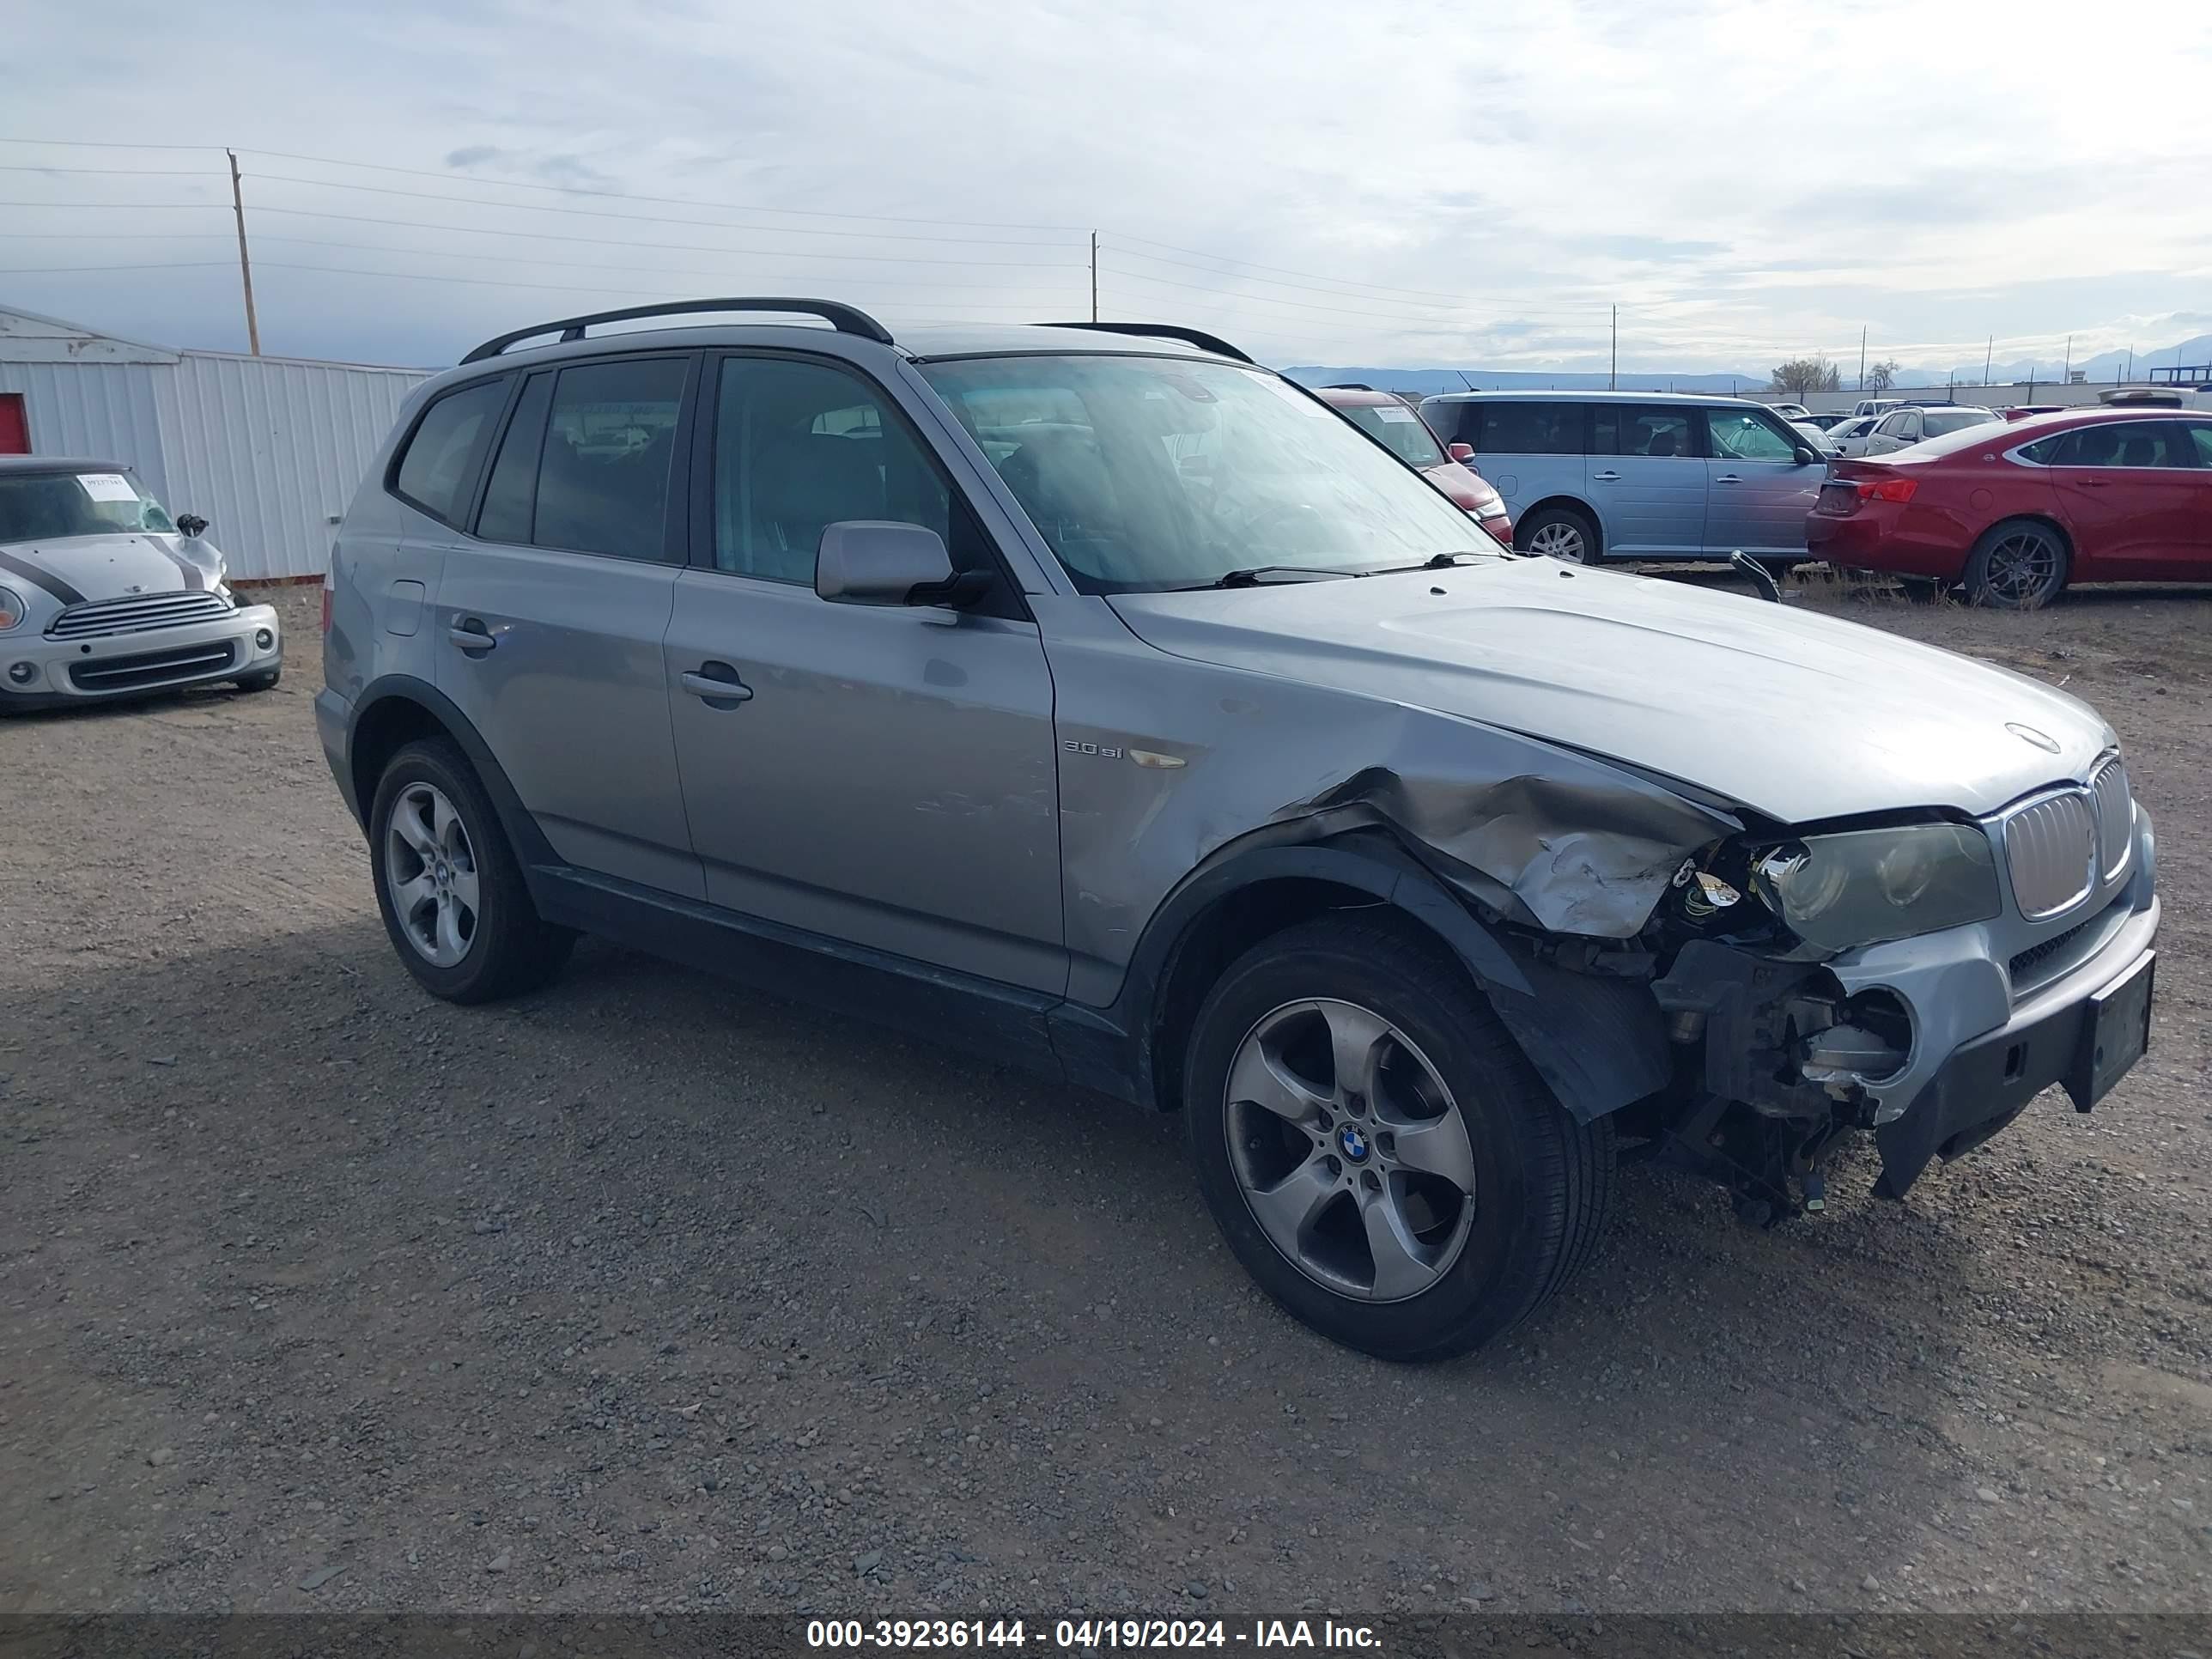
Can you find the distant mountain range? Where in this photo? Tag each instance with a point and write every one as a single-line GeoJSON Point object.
{"type": "Point", "coordinates": [2103, 368]}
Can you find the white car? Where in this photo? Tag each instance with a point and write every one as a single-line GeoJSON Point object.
{"type": "Point", "coordinates": [103, 595]}
{"type": "Point", "coordinates": [1822, 446]}
{"type": "Point", "coordinates": [1902, 428]}
{"type": "Point", "coordinates": [1849, 438]}
{"type": "Point", "coordinates": [1790, 412]}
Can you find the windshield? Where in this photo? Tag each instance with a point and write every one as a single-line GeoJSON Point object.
{"type": "Point", "coordinates": [1398, 427]}
{"type": "Point", "coordinates": [52, 507]}
{"type": "Point", "coordinates": [1144, 472]}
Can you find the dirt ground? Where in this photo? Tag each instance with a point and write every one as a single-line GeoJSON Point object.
{"type": "Point", "coordinates": [649, 1293]}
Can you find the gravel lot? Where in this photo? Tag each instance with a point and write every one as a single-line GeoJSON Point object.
{"type": "Point", "coordinates": [648, 1293]}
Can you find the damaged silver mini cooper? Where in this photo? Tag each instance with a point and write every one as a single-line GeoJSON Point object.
{"type": "Point", "coordinates": [1094, 697]}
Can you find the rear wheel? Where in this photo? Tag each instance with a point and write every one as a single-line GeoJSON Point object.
{"type": "Point", "coordinates": [1557, 532]}
{"type": "Point", "coordinates": [1377, 1150]}
{"type": "Point", "coordinates": [450, 888]}
{"type": "Point", "coordinates": [2018, 565]}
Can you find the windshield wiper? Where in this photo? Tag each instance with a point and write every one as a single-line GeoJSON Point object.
{"type": "Point", "coordinates": [1435, 562]}
{"type": "Point", "coordinates": [1257, 575]}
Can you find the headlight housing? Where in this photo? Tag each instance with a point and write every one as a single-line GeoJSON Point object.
{"type": "Point", "coordinates": [12, 611]}
{"type": "Point", "coordinates": [1862, 886]}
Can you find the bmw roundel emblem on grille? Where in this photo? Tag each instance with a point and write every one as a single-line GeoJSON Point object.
{"type": "Point", "coordinates": [2042, 740]}
{"type": "Point", "coordinates": [1354, 1143]}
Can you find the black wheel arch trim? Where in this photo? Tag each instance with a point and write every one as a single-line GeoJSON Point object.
{"type": "Point", "coordinates": [1598, 1044]}
{"type": "Point", "coordinates": [532, 850]}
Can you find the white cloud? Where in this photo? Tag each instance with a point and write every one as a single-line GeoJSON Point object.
{"type": "Point", "coordinates": [1420, 184]}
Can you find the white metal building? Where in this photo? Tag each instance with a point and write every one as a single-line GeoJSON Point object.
{"type": "Point", "coordinates": [268, 450]}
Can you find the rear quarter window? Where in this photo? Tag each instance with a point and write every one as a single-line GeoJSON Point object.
{"type": "Point", "coordinates": [1530, 429]}
{"type": "Point", "coordinates": [437, 469]}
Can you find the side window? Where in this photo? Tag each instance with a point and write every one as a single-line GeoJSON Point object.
{"type": "Point", "coordinates": [800, 447]}
{"type": "Point", "coordinates": [2200, 435]}
{"type": "Point", "coordinates": [1648, 429]}
{"type": "Point", "coordinates": [1738, 434]}
{"type": "Point", "coordinates": [1530, 429]}
{"type": "Point", "coordinates": [1892, 426]}
{"type": "Point", "coordinates": [437, 471]}
{"type": "Point", "coordinates": [511, 497]}
{"type": "Point", "coordinates": [610, 442]}
{"type": "Point", "coordinates": [2124, 443]}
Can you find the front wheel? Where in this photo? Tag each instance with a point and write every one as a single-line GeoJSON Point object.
{"type": "Point", "coordinates": [1557, 532]}
{"type": "Point", "coordinates": [1377, 1150]}
{"type": "Point", "coordinates": [2021, 564]}
{"type": "Point", "coordinates": [450, 888]}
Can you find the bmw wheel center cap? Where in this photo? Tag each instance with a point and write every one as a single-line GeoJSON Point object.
{"type": "Point", "coordinates": [1352, 1141]}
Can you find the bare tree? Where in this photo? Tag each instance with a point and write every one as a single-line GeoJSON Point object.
{"type": "Point", "coordinates": [1802, 375]}
{"type": "Point", "coordinates": [1881, 376]}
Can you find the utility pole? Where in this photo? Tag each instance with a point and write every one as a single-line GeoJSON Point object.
{"type": "Point", "coordinates": [1861, 357]}
{"type": "Point", "coordinates": [1094, 275]}
{"type": "Point", "coordinates": [245, 265]}
{"type": "Point", "coordinates": [1612, 375]}
{"type": "Point", "coordinates": [1988, 355]}
{"type": "Point", "coordinates": [2066, 375]}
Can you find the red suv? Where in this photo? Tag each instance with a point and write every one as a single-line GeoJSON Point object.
{"type": "Point", "coordinates": [1400, 430]}
{"type": "Point", "coordinates": [2014, 511]}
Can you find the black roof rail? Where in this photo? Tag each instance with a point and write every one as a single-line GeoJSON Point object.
{"type": "Point", "coordinates": [846, 319]}
{"type": "Point", "coordinates": [1203, 341]}
{"type": "Point", "coordinates": [1347, 385]}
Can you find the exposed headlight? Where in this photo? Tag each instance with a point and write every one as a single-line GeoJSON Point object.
{"type": "Point", "coordinates": [11, 608]}
{"type": "Point", "coordinates": [1865, 885]}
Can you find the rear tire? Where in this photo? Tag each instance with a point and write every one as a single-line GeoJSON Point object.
{"type": "Point", "coordinates": [457, 910]}
{"type": "Point", "coordinates": [1386, 1252]}
{"type": "Point", "coordinates": [2020, 564]}
{"type": "Point", "coordinates": [1559, 532]}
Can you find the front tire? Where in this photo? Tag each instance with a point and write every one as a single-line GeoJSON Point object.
{"type": "Point", "coordinates": [1377, 1150]}
{"type": "Point", "coordinates": [2021, 564]}
{"type": "Point", "coordinates": [449, 887]}
{"type": "Point", "coordinates": [1559, 532]}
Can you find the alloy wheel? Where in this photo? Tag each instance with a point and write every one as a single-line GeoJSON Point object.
{"type": "Point", "coordinates": [2023, 567]}
{"type": "Point", "coordinates": [1349, 1150]}
{"type": "Point", "coordinates": [430, 868]}
{"type": "Point", "coordinates": [1560, 540]}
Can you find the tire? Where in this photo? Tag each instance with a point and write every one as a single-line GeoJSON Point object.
{"type": "Point", "coordinates": [504, 949]}
{"type": "Point", "coordinates": [2019, 564]}
{"type": "Point", "coordinates": [264, 681]}
{"type": "Point", "coordinates": [1559, 532]}
{"type": "Point", "coordinates": [1542, 1186]}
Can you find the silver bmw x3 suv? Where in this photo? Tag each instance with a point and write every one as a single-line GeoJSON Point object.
{"type": "Point", "coordinates": [1095, 698]}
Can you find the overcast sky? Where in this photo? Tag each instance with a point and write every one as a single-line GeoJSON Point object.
{"type": "Point", "coordinates": [1382, 183]}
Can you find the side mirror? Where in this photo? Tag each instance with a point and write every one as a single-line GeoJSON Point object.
{"type": "Point", "coordinates": [191, 523]}
{"type": "Point", "coordinates": [876, 561]}
{"type": "Point", "coordinates": [1464, 452]}
{"type": "Point", "coordinates": [1805, 456]}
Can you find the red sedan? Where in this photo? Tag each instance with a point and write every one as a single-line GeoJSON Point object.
{"type": "Point", "coordinates": [1400, 430]}
{"type": "Point", "coordinates": [2012, 512]}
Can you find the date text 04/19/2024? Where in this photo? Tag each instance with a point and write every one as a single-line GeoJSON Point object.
{"type": "Point", "coordinates": [1087, 1635]}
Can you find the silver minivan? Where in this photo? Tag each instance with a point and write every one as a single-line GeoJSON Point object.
{"type": "Point", "coordinates": [1639, 475]}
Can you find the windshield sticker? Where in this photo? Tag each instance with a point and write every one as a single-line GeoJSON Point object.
{"type": "Point", "coordinates": [107, 486]}
{"type": "Point", "coordinates": [1385, 412]}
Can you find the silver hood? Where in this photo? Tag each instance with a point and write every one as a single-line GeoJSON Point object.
{"type": "Point", "coordinates": [1798, 716]}
{"type": "Point", "coordinates": [109, 567]}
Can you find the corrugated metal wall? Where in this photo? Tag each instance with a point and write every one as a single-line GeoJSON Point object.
{"type": "Point", "coordinates": [109, 411]}
{"type": "Point", "coordinates": [267, 449]}
{"type": "Point", "coordinates": [270, 451]}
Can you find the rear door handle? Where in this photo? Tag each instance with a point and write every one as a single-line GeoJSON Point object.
{"type": "Point", "coordinates": [2094, 484]}
{"type": "Point", "coordinates": [1728, 477]}
{"type": "Point", "coordinates": [1605, 477]}
{"type": "Point", "coordinates": [716, 683]}
{"type": "Point", "coordinates": [471, 636]}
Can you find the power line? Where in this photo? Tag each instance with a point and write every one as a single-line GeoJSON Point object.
{"type": "Point", "coordinates": [128, 172]}
{"type": "Point", "coordinates": [1426, 294]}
{"type": "Point", "coordinates": [1461, 321]}
{"type": "Point", "coordinates": [74, 270]}
{"type": "Point", "coordinates": [644, 218]}
{"type": "Point", "coordinates": [670, 201]}
{"type": "Point", "coordinates": [106, 143]}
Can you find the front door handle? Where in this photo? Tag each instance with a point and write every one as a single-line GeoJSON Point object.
{"type": "Point", "coordinates": [717, 685]}
{"type": "Point", "coordinates": [471, 636]}
{"type": "Point", "coordinates": [1605, 477]}
{"type": "Point", "coordinates": [1728, 477]}
{"type": "Point", "coordinates": [2093, 483]}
